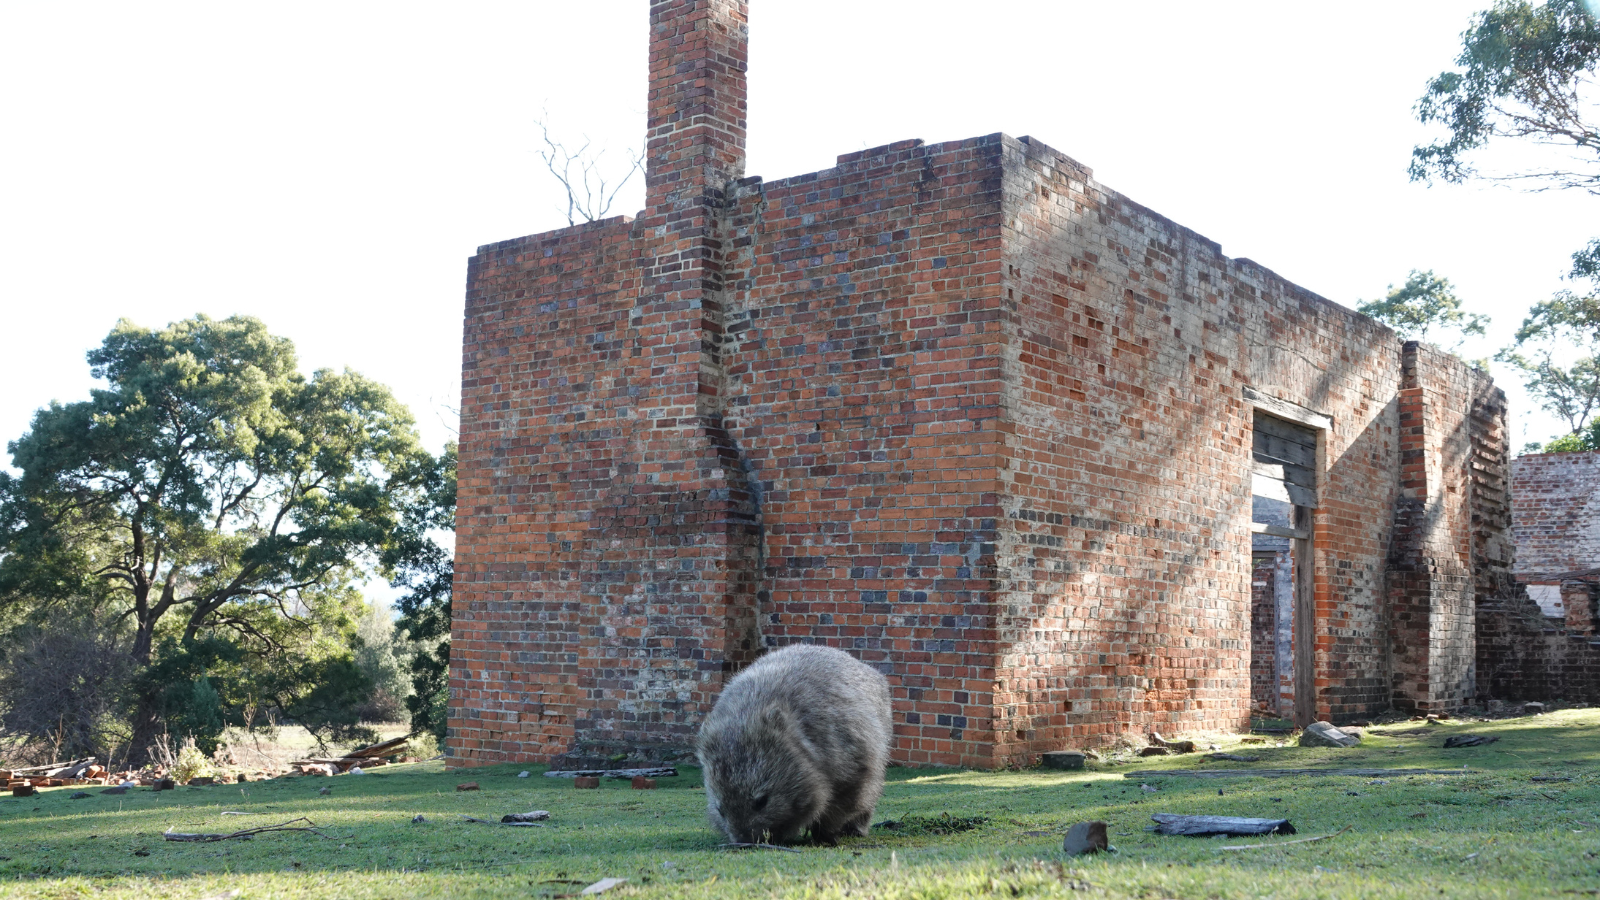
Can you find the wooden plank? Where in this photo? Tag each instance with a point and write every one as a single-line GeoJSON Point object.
{"type": "Point", "coordinates": [1283, 428]}
{"type": "Point", "coordinates": [1288, 773]}
{"type": "Point", "coordinates": [1300, 495]}
{"type": "Point", "coordinates": [1199, 826]}
{"type": "Point", "coordinates": [1283, 409]}
{"type": "Point", "coordinates": [1305, 624]}
{"type": "Point", "coordinates": [1284, 472]}
{"type": "Point", "coordinates": [1278, 530]}
{"type": "Point", "coordinates": [1276, 448]}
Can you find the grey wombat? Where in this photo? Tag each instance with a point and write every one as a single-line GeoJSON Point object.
{"type": "Point", "coordinates": [799, 740]}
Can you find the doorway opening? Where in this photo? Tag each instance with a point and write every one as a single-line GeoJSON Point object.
{"type": "Point", "coordinates": [1283, 496]}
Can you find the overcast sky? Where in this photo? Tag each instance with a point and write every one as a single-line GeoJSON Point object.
{"type": "Point", "coordinates": [329, 167]}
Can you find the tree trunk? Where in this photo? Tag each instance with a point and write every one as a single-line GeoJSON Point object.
{"type": "Point", "coordinates": [146, 728]}
{"type": "Point", "coordinates": [146, 721]}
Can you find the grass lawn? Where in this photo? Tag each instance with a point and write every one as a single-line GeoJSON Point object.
{"type": "Point", "coordinates": [1491, 833]}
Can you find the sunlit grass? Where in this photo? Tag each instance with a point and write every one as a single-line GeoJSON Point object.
{"type": "Point", "coordinates": [1492, 832]}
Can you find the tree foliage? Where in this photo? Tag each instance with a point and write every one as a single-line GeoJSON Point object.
{"type": "Point", "coordinates": [220, 506]}
{"type": "Point", "coordinates": [1557, 349]}
{"type": "Point", "coordinates": [1525, 72]}
{"type": "Point", "coordinates": [424, 567]}
{"type": "Point", "coordinates": [1422, 307]}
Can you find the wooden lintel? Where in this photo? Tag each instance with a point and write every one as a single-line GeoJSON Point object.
{"type": "Point", "coordinates": [1278, 531]}
{"type": "Point", "coordinates": [1286, 410]}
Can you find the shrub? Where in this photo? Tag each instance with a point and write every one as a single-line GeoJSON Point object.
{"type": "Point", "coordinates": [191, 764]}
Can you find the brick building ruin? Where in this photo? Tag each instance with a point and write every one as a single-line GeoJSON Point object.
{"type": "Point", "coordinates": [1052, 462]}
{"type": "Point", "coordinates": [1547, 641]}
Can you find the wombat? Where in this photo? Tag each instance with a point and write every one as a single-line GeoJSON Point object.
{"type": "Point", "coordinates": [797, 741]}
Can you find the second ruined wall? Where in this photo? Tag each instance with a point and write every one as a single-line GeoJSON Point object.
{"type": "Point", "coordinates": [1124, 553]}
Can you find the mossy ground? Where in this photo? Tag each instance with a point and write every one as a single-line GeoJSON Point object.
{"type": "Point", "coordinates": [1491, 833]}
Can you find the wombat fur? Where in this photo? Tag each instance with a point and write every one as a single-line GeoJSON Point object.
{"type": "Point", "coordinates": [797, 741]}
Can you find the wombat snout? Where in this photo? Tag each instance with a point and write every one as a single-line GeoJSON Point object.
{"type": "Point", "coordinates": [798, 741]}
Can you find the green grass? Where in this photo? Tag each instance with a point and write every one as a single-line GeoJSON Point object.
{"type": "Point", "coordinates": [1491, 833]}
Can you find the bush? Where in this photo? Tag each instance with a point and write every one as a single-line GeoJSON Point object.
{"type": "Point", "coordinates": [377, 659]}
{"type": "Point", "coordinates": [62, 683]}
{"type": "Point", "coordinates": [191, 764]}
{"type": "Point", "coordinates": [424, 745]}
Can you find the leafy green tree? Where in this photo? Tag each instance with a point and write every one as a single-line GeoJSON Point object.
{"type": "Point", "coordinates": [424, 567]}
{"type": "Point", "coordinates": [1524, 73]}
{"type": "Point", "coordinates": [1557, 350]}
{"type": "Point", "coordinates": [1423, 307]}
{"type": "Point", "coordinates": [210, 495]}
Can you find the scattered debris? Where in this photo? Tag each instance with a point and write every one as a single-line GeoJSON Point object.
{"type": "Point", "coordinates": [1549, 778]}
{"type": "Point", "coordinates": [538, 815]}
{"type": "Point", "coordinates": [467, 786]}
{"type": "Point", "coordinates": [641, 783]}
{"type": "Point", "coordinates": [1156, 740]}
{"type": "Point", "coordinates": [80, 795]}
{"type": "Point", "coordinates": [367, 757]}
{"type": "Point", "coordinates": [355, 770]}
{"type": "Point", "coordinates": [659, 772]}
{"type": "Point", "coordinates": [523, 774]}
{"type": "Point", "coordinates": [1532, 708]}
{"type": "Point", "coordinates": [601, 886]}
{"type": "Point", "coordinates": [1320, 837]}
{"type": "Point", "coordinates": [1469, 740]}
{"type": "Point", "coordinates": [119, 789]}
{"type": "Point", "coordinates": [1154, 751]}
{"type": "Point", "coordinates": [1063, 759]}
{"type": "Point", "coordinates": [1085, 838]}
{"type": "Point", "coordinates": [1232, 757]}
{"type": "Point", "coordinates": [1418, 815]}
{"type": "Point", "coordinates": [1326, 734]}
{"type": "Point", "coordinates": [247, 833]}
{"type": "Point", "coordinates": [1285, 773]}
{"type": "Point", "coordinates": [756, 847]}
{"type": "Point", "coordinates": [1197, 826]}
{"type": "Point", "coordinates": [587, 782]}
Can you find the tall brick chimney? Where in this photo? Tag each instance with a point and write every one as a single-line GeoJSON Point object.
{"type": "Point", "coordinates": [669, 582]}
{"type": "Point", "coordinates": [696, 130]}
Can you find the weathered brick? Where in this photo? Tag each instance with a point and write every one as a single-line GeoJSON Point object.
{"type": "Point", "coordinates": [958, 409]}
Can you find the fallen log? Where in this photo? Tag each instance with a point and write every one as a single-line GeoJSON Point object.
{"type": "Point", "coordinates": [663, 772]}
{"type": "Point", "coordinates": [1200, 826]}
{"type": "Point", "coordinates": [1309, 840]}
{"type": "Point", "coordinates": [1286, 773]}
{"type": "Point", "coordinates": [55, 769]}
{"type": "Point", "coordinates": [383, 748]}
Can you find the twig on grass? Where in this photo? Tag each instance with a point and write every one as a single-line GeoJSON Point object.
{"type": "Point", "coordinates": [737, 846]}
{"type": "Point", "coordinates": [1320, 837]}
{"type": "Point", "coordinates": [249, 832]}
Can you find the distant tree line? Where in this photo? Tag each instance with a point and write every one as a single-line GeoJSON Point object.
{"type": "Point", "coordinates": [185, 551]}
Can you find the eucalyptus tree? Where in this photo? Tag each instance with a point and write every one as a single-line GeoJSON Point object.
{"type": "Point", "coordinates": [218, 505]}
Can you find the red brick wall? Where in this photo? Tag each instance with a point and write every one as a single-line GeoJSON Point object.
{"type": "Point", "coordinates": [862, 360]}
{"type": "Point", "coordinates": [1125, 552]}
{"type": "Point", "coordinates": [1556, 516]}
{"type": "Point", "coordinates": [957, 409]}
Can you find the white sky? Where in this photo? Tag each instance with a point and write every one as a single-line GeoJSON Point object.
{"type": "Point", "coordinates": [330, 167]}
